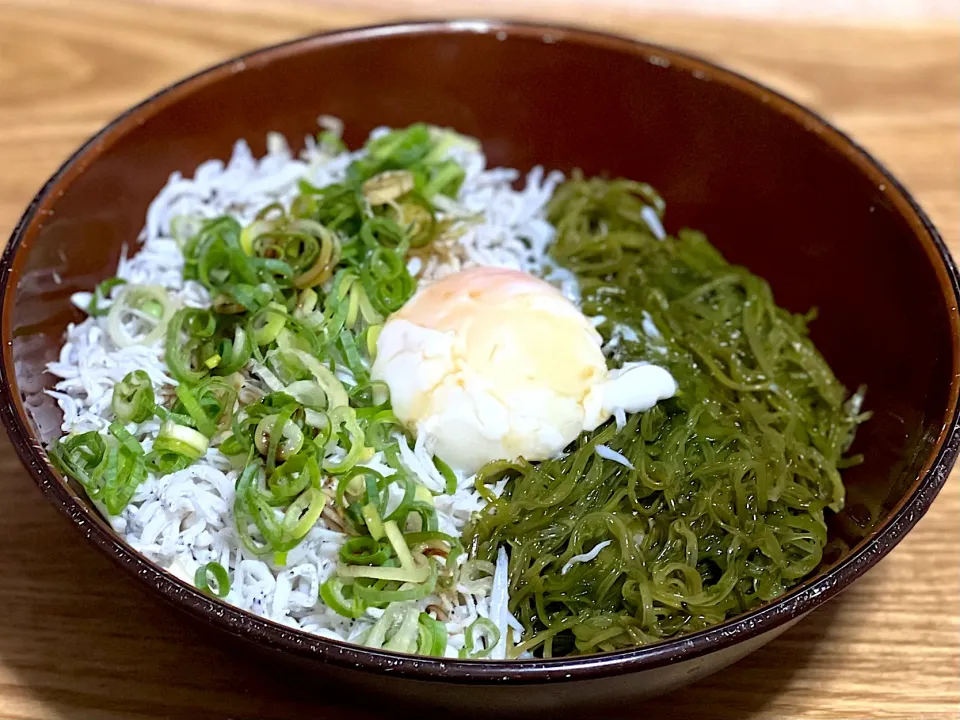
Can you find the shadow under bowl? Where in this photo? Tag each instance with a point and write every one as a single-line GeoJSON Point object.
{"type": "Point", "coordinates": [775, 187]}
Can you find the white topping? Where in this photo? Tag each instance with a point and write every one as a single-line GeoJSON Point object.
{"type": "Point", "coordinates": [584, 557]}
{"type": "Point", "coordinates": [652, 220]}
{"type": "Point", "coordinates": [637, 387]}
{"type": "Point", "coordinates": [611, 454]}
{"type": "Point", "coordinates": [499, 614]}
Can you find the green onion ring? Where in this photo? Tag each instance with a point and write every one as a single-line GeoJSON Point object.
{"type": "Point", "coordinates": [133, 398]}
{"type": "Point", "coordinates": [212, 579]}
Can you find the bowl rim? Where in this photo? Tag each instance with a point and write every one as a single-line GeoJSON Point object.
{"type": "Point", "coordinates": [791, 606]}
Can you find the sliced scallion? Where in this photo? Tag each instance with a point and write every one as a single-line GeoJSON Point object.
{"type": "Point", "coordinates": [302, 514]}
{"type": "Point", "coordinates": [339, 596]}
{"type": "Point", "coordinates": [480, 638]}
{"type": "Point", "coordinates": [181, 440]}
{"type": "Point", "coordinates": [364, 550]}
{"type": "Point", "coordinates": [139, 315]}
{"type": "Point", "coordinates": [418, 574]}
{"type": "Point", "coordinates": [432, 640]}
{"type": "Point", "coordinates": [101, 293]}
{"type": "Point", "coordinates": [133, 398]}
{"type": "Point", "coordinates": [213, 579]}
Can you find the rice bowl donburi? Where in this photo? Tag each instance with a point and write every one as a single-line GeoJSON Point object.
{"type": "Point", "coordinates": [385, 397]}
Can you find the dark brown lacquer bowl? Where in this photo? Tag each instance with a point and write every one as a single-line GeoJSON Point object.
{"type": "Point", "coordinates": [775, 187]}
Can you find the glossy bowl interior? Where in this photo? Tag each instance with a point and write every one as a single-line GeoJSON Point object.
{"type": "Point", "coordinates": [774, 186]}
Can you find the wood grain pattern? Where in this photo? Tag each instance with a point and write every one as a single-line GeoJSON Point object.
{"type": "Point", "coordinates": [81, 640]}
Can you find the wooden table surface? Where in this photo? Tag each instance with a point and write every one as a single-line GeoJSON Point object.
{"type": "Point", "coordinates": [79, 639]}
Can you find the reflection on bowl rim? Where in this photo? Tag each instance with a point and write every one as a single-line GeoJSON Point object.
{"type": "Point", "coordinates": [791, 606]}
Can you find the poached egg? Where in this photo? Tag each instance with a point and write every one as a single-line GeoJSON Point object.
{"type": "Point", "coordinates": [495, 364]}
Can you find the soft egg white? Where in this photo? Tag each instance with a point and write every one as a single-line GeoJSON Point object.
{"type": "Point", "coordinates": [490, 363]}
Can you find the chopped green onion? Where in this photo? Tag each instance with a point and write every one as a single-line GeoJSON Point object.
{"type": "Point", "coordinates": [133, 398]}
{"type": "Point", "coordinates": [181, 440]}
{"type": "Point", "coordinates": [294, 476]}
{"type": "Point", "coordinates": [235, 352]}
{"type": "Point", "coordinates": [376, 594]}
{"type": "Point", "coordinates": [418, 220]}
{"type": "Point", "coordinates": [279, 434]}
{"type": "Point", "coordinates": [354, 514]}
{"type": "Point", "coordinates": [290, 360]}
{"type": "Point", "coordinates": [386, 280]}
{"type": "Point", "coordinates": [267, 323]}
{"type": "Point", "coordinates": [344, 420]}
{"type": "Point", "coordinates": [371, 518]}
{"type": "Point", "coordinates": [405, 637]}
{"type": "Point", "coordinates": [303, 513]}
{"type": "Point", "coordinates": [432, 640]}
{"type": "Point", "coordinates": [212, 579]}
{"type": "Point", "coordinates": [373, 332]}
{"type": "Point", "coordinates": [480, 638]}
{"type": "Point", "coordinates": [101, 293]}
{"type": "Point", "coordinates": [449, 477]}
{"type": "Point", "coordinates": [303, 292]}
{"type": "Point", "coordinates": [364, 550]}
{"type": "Point", "coordinates": [122, 475]}
{"type": "Point", "coordinates": [306, 302]}
{"type": "Point", "coordinates": [181, 354]}
{"type": "Point", "coordinates": [308, 393]}
{"type": "Point", "coordinates": [164, 463]}
{"type": "Point", "coordinates": [358, 483]}
{"type": "Point", "coordinates": [80, 456]}
{"type": "Point", "coordinates": [326, 261]}
{"type": "Point", "coordinates": [418, 574]}
{"type": "Point", "coordinates": [208, 406]}
{"type": "Point", "coordinates": [423, 495]}
{"type": "Point", "coordinates": [445, 179]}
{"type": "Point", "coordinates": [388, 628]}
{"type": "Point", "coordinates": [348, 346]}
{"type": "Point", "coordinates": [109, 474]}
{"type": "Point", "coordinates": [387, 186]}
{"type": "Point", "coordinates": [204, 424]}
{"type": "Point", "coordinates": [334, 595]}
{"type": "Point", "coordinates": [245, 509]}
{"type": "Point", "coordinates": [251, 232]}
{"type": "Point", "coordinates": [127, 441]}
{"type": "Point", "coordinates": [147, 308]}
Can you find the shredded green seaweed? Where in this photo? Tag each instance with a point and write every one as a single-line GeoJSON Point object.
{"type": "Point", "coordinates": [723, 508]}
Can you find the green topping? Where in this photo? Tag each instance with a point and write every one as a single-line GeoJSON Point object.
{"type": "Point", "coordinates": [212, 579]}
{"type": "Point", "coordinates": [208, 406]}
{"type": "Point", "coordinates": [402, 628]}
{"type": "Point", "coordinates": [479, 639]}
{"type": "Point", "coordinates": [303, 513]}
{"type": "Point", "coordinates": [145, 308]}
{"type": "Point", "coordinates": [110, 468]}
{"type": "Point", "coordinates": [180, 440]}
{"type": "Point", "coordinates": [100, 294]}
{"type": "Point", "coordinates": [420, 151]}
{"type": "Point", "coordinates": [725, 507]}
{"type": "Point", "coordinates": [133, 398]}
{"type": "Point", "coordinates": [339, 596]}
{"type": "Point", "coordinates": [303, 292]}
{"type": "Point", "coordinates": [431, 637]}
{"type": "Point", "coordinates": [364, 550]}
